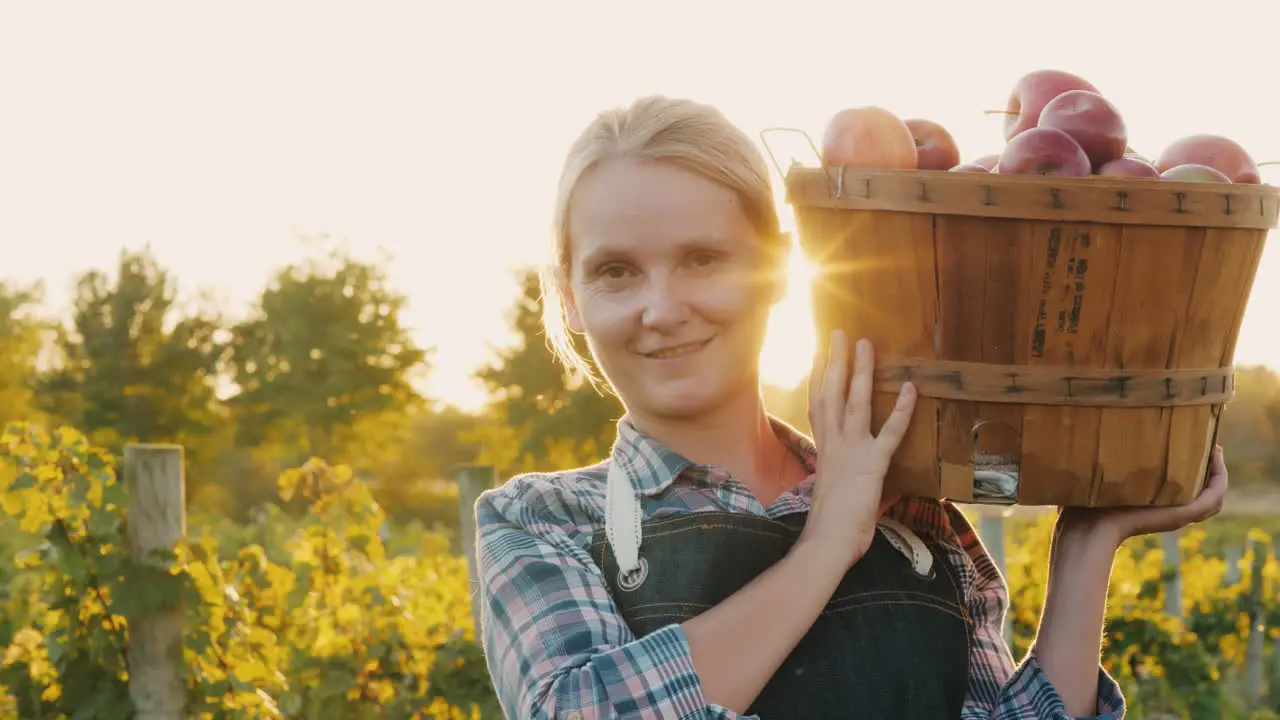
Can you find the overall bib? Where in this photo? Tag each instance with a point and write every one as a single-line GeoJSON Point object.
{"type": "Point", "coordinates": [892, 643]}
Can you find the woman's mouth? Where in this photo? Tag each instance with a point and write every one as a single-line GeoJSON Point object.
{"type": "Point", "coordinates": [676, 351]}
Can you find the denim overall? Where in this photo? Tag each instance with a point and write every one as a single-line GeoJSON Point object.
{"type": "Point", "coordinates": [892, 643]}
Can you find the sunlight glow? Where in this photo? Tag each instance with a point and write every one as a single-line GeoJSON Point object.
{"type": "Point", "coordinates": [789, 344]}
{"type": "Point", "coordinates": [335, 147]}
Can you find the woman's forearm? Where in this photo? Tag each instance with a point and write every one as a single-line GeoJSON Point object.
{"type": "Point", "coordinates": [1069, 642]}
{"type": "Point", "coordinates": [739, 644]}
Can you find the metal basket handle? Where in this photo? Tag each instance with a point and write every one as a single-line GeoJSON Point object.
{"type": "Point", "coordinates": [795, 162]}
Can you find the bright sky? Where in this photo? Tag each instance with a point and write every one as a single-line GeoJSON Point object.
{"type": "Point", "coordinates": [221, 132]}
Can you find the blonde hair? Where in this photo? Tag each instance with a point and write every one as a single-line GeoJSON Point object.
{"type": "Point", "coordinates": [695, 136]}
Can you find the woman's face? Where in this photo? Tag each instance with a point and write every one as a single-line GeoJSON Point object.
{"type": "Point", "coordinates": [670, 286]}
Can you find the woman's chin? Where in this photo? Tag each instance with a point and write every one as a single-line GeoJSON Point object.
{"type": "Point", "coordinates": [686, 397]}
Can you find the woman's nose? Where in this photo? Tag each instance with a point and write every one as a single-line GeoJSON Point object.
{"type": "Point", "coordinates": [664, 307]}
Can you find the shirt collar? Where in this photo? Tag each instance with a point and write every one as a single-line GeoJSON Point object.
{"type": "Point", "coordinates": [652, 467]}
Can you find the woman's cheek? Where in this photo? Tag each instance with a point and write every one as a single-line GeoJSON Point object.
{"type": "Point", "coordinates": [608, 314]}
{"type": "Point", "coordinates": [729, 297]}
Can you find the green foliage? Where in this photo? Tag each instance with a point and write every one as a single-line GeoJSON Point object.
{"type": "Point", "coordinates": [76, 588]}
{"type": "Point", "coordinates": [1250, 428]}
{"type": "Point", "coordinates": [1191, 668]}
{"type": "Point", "coordinates": [133, 368]}
{"type": "Point", "coordinates": [21, 344]}
{"type": "Point", "coordinates": [323, 623]}
{"type": "Point", "coordinates": [553, 418]}
{"type": "Point", "coordinates": [412, 460]}
{"type": "Point", "coordinates": [325, 348]}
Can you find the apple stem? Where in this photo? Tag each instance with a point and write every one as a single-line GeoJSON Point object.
{"type": "Point", "coordinates": [999, 112]}
{"type": "Point", "coordinates": [1269, 162]}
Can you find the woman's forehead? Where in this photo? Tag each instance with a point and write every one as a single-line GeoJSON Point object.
{"type": "Point", "coordinates": [622, 205]}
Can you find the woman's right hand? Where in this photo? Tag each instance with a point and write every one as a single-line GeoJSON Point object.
{"type": "Point", "coordinates": [852, 462]}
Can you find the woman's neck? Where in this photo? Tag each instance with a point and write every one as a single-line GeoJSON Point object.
{"type": "Point", "coordinates": [738, 437]}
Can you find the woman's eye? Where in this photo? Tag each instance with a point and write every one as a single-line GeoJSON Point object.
{"type": "Point", "coordinates": [704, 260]}
{"type": "Point", "coordinates": [613, 272]}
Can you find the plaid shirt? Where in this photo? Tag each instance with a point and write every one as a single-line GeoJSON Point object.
{"type": "Point", "coordinates": [557, 646]}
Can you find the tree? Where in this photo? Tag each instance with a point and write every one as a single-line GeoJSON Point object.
{"type": "Point", "coordinates": [412, 459]}
{"type": "Point", "coordinates": [324, 349]}
{"type": "Point", "coordinates": [131, 368]}
{"type": "Point", "coordinates": [1250, 427]}
{"type": "Point", "coordinates": [546, 418]}
{"type": "Point", "coordinates": [20, 344]}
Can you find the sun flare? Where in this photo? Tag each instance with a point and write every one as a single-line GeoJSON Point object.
{"type": "Point", "coordinates": [789, 344]}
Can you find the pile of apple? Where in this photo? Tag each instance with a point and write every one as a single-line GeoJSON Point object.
{"type": "Point", "coordinates": [1056, 123]}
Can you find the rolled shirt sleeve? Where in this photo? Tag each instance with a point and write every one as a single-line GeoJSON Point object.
{"type": "Point", "coordinates": [999, 690]}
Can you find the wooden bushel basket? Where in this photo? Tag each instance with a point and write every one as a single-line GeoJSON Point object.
{"type": "Point", "coordinates": [1072, 338]}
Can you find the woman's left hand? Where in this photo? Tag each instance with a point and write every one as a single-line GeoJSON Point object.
{"type": "Point", "coordinates": [1120, 524]}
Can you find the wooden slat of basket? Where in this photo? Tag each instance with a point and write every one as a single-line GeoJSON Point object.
{"type": "Point", "coordinates": [962, 284]}
{"type": "Point", "coordinates": [1030, 197]}
{"type": "Point", "coordinates": [901, 309]}
{"type": "Point", "coordinates": [1070, 292]}
{"type": "Point", "coordinates": [999, 436]}
{"type": "Point", "coordinates": [1075, 387]}
{"type": "Point", "coordinates": [1148, 314]}
{"type": "Point", "coordinates": [1218, 301]}
{"type": "Point", "coordinates": [862, 289]}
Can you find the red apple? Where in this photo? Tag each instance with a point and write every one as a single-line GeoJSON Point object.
{"type": "Point", "coordinates": [1222, 154]}
{"type": "Point", "coordinates": [1044, 151]}
{"type": "Point", "coordinates": [1129, 166]}
{"type": "Point", "coordinates": [1092, 121]}
{"type": "Point", "coordinates": [988, 161]}
{"type": "Point", "coordinates": [970, 167]}
{"type": "Point", "coordinates": [935, 147]}
{"type": "Point", "coordinates": [1194, 173]}
{"type": "Point", "coordinates": [868, 137]}
{"type": "Point", "coordinates": [1032, 92]}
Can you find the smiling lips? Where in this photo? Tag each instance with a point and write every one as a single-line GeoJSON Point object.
{"type": "Point", "coordinates": [676, 351]}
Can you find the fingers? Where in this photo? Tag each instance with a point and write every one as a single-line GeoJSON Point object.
{"type": "Point", "coordinates": [858, 404]}
{"type": "Point", "coordinates": [1218, 462]}
{"type": "Point", "coordinates": [840, 400]}
{"type": "Point", "coordinates": [835, 382]}
{"type": "Point", "coordinates": [1211, 498]}
{"type": "Point", "coordinates": [815, 394]}
{"type": "Point", "coordinates": [895, 426]}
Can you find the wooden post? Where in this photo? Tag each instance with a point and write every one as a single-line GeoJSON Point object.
{"type": "Point", "coordinates": [1173, 562]}
{"type": "Point", "coordinates": [472, 480]}
{"type": "Point", "coordinates": [156, 520]}
{"type": "Point", "coordinates": [1274, 682]}
{"type": "Point", "coordinates": [1257, 629]}
{"type": "Point", "coordinates": [1234, 554]}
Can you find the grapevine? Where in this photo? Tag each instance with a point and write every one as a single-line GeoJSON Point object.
{"type": "Point", "coordinates": [328, 625]}
{"type": "Point", "coordinates": [309, 614]}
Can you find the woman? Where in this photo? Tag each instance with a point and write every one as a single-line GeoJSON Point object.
{"type": "Point", "coordinates": [719, 564]}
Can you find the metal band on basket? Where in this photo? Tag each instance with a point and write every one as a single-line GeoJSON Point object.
{"type": "Point", "coordinates": [1046, 385]}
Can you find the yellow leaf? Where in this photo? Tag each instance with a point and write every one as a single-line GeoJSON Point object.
{"type": "Point", "coordinates": [348, 614]}
{"type": "Point", "coordinates": [326, 641]}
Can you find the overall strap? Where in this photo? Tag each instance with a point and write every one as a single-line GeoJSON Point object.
{"type": "Point", "coordinates": [623, 518]}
